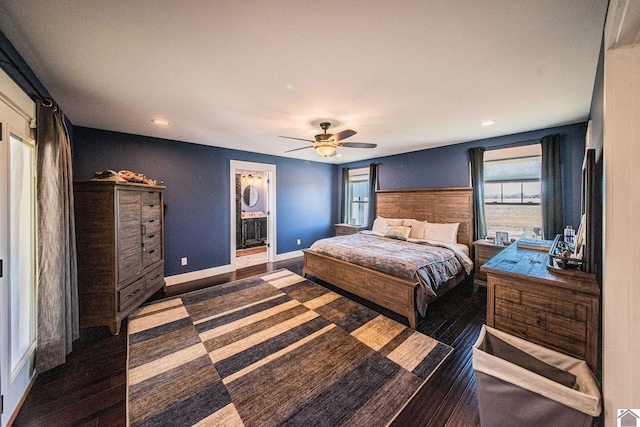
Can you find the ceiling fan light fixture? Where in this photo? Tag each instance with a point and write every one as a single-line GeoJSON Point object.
{"type": "Point", "coordinates": [325, 143]}
{"type": "Point", "coordinates": [326, 150]}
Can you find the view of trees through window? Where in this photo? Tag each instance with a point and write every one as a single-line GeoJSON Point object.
{"type": "Point", "coordinates": [357, 197]}
{"type": "Point", "coordinates": [512, 191]}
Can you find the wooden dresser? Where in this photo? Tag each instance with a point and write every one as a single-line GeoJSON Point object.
{"type": "Point", "coordinates": [483, 251]}
{"type": "Point", "coordinates": [558, 310]}
{"type": "Point", "coordinates": [344, 229]}
{"type": "Point", "coordinates": [119, 234]}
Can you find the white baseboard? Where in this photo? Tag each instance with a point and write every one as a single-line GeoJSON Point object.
{"type": "Point", "coordinates": [208, 272]}
{"type": "Point", "coordinates": [287, 255]}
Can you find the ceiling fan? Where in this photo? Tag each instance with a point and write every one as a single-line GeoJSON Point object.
{"type": "Point", "coordinates": [326, 143]}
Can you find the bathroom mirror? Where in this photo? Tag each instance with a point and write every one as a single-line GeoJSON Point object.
{"type": "Point", "coordinates": [250, 195]}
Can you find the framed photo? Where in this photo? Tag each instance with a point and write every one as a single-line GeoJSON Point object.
{"type": "Point", "coordinates": [580, 238]}
{"type": "Point", "coordinates": [502, 237]}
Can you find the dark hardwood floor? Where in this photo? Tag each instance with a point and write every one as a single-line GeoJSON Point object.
{"type": "Point", "coordinates": [90, 389]}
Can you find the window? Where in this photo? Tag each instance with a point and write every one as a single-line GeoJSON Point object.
{"type": "Point", "coordinates": [357, 197]}
{"type": "Point", "coordinates": [512, 191]}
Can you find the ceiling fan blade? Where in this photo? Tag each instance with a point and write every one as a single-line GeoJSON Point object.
{"type": "Point", "coordinates": [343, 135]}
{"type": "Point", "coordinates": [296, 149]}
{"type": "Point", "coordinates": [357, 145]}
{"type": "Point", "coordinates": [299, 139]}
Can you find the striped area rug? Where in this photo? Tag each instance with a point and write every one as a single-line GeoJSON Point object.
{"type": "Point", "coordinates": [271, 350]}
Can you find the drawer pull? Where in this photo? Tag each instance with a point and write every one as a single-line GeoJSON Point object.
{"type": "Point", "coordinates": [151, 236]}
{"type": "Point", "coordinates": [152, 251]}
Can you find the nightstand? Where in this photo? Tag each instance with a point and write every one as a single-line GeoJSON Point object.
{"type": "Point", "coordinates": [484, 251]}
{"type": "Point", "coordinates": [344, 229]}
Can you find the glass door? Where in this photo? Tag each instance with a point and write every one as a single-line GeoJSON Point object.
{"type": "Point", "coordinates": [18, 270]}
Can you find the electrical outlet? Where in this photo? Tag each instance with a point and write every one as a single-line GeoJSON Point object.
{"type": "Point", "coordinates": [298, 242]}
{"type": "Point", "coordinates": [183, 261]}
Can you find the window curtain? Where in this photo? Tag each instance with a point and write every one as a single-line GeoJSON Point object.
{"type": "Point", "coordinates": [345, 191]}
{"type": "Point", "coordinates": [476, 157]}
{"type": "Point", "coordinates": [58, 323]}
{"type": "Point", "coordinates": [373, 187]}
{"type": "Point", "coordinates": [551, 181]}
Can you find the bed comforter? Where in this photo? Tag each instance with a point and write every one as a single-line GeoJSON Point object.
{"type": "Point", "coordinates": [430, 264]}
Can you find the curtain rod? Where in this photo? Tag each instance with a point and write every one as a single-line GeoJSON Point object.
{"type": "Point", "coordinates": [511, 144]}
{"type": "Point", "coordinates": [9, 61]}
{"type": "Point", "coordinates": [518, 143]}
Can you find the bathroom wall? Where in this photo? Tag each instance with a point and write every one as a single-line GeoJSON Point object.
{"type": "Point", "coordinates": [258, 180]}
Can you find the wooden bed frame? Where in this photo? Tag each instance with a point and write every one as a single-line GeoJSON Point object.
{"type": "Point", "coordinates": [440, 205]}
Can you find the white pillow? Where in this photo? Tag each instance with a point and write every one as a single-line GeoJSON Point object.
{"type": "Point", "coordinates": [379, 226]}
{"type": "Point", "coordinates": [417, 228]}
{"type": "Point", "coordinates": [445, 233]}
{"type": "Point", "coordinates": [399, 232]}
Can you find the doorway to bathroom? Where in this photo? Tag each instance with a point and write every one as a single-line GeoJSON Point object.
{"type": "Point", "coordinates": [252, 213]}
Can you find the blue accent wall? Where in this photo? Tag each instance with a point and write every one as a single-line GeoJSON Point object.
{"type": "Point", "coordinates": [449, 166]}
{"type": "Point", "coordinates": [597, 141]}
{"type": "Point", "coordinates": [197, 198]}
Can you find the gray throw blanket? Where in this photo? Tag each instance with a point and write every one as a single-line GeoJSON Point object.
{"type": "Point", "coordinates": [428, 264]}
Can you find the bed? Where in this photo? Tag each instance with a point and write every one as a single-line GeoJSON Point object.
{"type": "Point", "coordinates": [387, 289]}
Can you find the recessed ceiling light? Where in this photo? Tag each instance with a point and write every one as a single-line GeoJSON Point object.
{"type": "Point", "coordinates": [488, 123]}
{"type": "Point", "coordinates": [160, 122]}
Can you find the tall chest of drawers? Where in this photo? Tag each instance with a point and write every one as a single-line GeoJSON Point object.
{"type": "Point", "coordinates": [119, 235]}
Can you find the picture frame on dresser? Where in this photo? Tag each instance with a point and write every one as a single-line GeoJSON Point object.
{"type": "Point", "coordinates": [580, 238]}
{"type": "Point", "coordinates": [502, 237]}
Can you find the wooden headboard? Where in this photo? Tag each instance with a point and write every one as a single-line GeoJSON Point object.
{"type": "Point", "coordinates": [442, 205]}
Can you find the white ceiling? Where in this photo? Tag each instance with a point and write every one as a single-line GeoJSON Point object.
{"type": "Point", "coordinates": [405, 74]}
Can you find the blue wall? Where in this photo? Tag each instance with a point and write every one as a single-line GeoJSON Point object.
{"type": "Point", "coordinates": [197, 198]}
{"type": "Point", "coordinates": [197, 210]}
{"type": "Point", "coordinates": [449, 166]}
{"type": "Point", "coordinates": [597, 141]}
